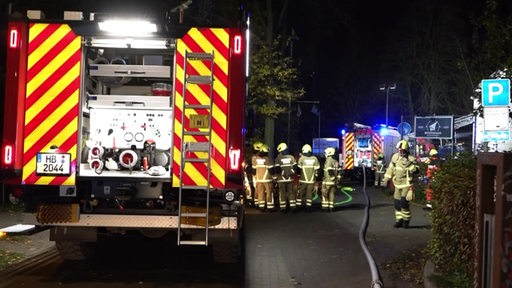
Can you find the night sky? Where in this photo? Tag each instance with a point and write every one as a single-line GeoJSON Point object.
{"type": "Point", "coordinates": [342, 45]}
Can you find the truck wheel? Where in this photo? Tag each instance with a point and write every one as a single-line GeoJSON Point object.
{"type": "Point", "coordinates": [230, 251]}
{"type": "Point", "coordinates": [226, 252]}
{"type": "Point", "coordinates": [74, 250]}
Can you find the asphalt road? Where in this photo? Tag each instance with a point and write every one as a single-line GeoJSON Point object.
{"type": "Point", "coordinates": [322, 249]}
{"type": "Point", "coordinates": [317, 249]}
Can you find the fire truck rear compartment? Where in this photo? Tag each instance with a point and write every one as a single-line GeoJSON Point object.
{"type": "Point", "coordinates": [118, 137]}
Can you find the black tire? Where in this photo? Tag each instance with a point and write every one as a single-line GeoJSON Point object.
{"type": "Point", "coordinates": [74, 250]}
{"type": "Point", "coordinates": [226, 253]}
{"type": "Point", "coordinates": [230, 252]}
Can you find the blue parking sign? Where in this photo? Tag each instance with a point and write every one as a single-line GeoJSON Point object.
{"type": "Point", "coordinates": [495, 92]}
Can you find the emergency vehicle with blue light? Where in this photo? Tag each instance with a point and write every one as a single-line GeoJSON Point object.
{"type": "Point", "coordinates": [361, 145]}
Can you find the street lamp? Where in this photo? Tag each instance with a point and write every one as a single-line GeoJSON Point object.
{"type": "Point", "coordinates": [387, 87]}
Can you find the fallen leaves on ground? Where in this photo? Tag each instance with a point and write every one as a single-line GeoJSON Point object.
{"type": "Point", "coordinates": [8, 258]}
{"type": "Point", "coordinates": [409, 266]}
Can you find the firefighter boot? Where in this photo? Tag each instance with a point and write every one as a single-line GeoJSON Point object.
{"type": "Point", "coordinates": [399, 223]}
{"type": "Point", "coordinates": [406, 224]}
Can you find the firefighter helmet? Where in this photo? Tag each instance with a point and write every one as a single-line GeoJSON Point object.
{"type": "Point", "coordinates": [329, 151]}
{"type": "Point", "coordinates": [264, 148]}
{"type": "Point", "coordinates": [281, 147]}
{"type": "Point", "coordinates": [306, 149]}
{"type": "Point", "coordinates": [257, 145]}
{"type": "Point", "coordinates": [433, 152]}
{"type": "Point", "coordinates": [402, 145]}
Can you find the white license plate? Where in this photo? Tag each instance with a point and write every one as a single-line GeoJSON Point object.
{"type": "Point", "coordinates": [53, 164]}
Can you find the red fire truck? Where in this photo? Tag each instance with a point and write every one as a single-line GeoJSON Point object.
{"type": "Point", "coordinates": [127, 132]}
{"type": "Point", "coordinates": [361, 146]}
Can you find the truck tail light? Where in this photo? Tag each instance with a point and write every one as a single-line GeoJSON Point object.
{"type": "Point", "coordinates": [237, 44]}
{"type": "Point", "coordinates": [13, 38]}
{"type": "Point", "coordinates": [14, 96]}
{"type": "Point", "coordinates": [8, 156]}
{"type": "Point", "coordinates": [234, 159]}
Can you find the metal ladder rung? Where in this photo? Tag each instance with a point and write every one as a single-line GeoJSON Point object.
{"type": "Point", "coordinates": [193, 242]}
{"type": "Point", "coordinates": [191, 214]}
{"type": "Point", "coordinates": [198, 107]}
{"type": "Point", "coordinates": [199, 56]}
{"type": "Point", "coordinates": [196, 160]}
{"type": "Point", "coordinates": [197, 133]}
{"type": "Point", "coordinates": [194, 187]}
{"type": "Point", "coordinates": [197, 146]}
{"type": "Point", "coordinates": [199, 79]}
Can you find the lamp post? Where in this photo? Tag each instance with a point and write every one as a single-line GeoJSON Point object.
{"type": "Point", "coordinates": [387, 87]}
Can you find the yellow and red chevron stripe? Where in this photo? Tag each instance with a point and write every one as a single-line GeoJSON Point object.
{"type": "Point", "coordinates": [52, 97]}
{"type": "Point", "coordinates": [205, 40]}
{"type": "Point", "coordinates": [377, 144]}
{"type": "Point", "coordinates": [349, 150]}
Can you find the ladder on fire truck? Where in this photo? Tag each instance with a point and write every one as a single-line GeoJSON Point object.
{"type": "Point", "coordinates": [199, 149]}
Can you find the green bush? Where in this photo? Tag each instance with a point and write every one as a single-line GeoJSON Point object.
{"type": "Point", "coordinates": [453, 218]}
{"type": "Point", "coordinates": [419, 184]}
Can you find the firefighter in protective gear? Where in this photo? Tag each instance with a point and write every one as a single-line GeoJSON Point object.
{"type": "Point", "coordinates": [400, 170]}
{"type": "Point", "coordinates": [380, 169]}
{"type": "Point", "coordinates": [332, 175]}
{"type": "Point", "coordinates": [263, 168]}
{"type": "Point", "coordinates": [284, 168]}
{"type": "Point", "coordinates": [249, 175]}
{"type": "Point", "coordinates": [307, 167]}
{"type": "Point", "coordinates": [432, 167]}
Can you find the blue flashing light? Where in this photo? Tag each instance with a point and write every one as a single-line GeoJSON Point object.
{"type": "Point", "coordinates": [383, 131]}
{"type": "Point", "coordinates": [342, 131]}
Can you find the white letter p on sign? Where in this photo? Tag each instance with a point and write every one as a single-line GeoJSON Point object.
{"type": "Point", "coordinates": [495, 89]}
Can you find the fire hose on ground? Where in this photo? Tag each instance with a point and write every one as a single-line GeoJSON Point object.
{"type": "Point", "coordinates": [376, 282]}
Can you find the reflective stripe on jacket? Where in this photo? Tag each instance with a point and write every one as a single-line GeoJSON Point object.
{"type": "Point", "coordinates": [401, 169]}
{"type": "Point", "coordinates": [286, 162]}
{"type": "Point", "coordinates": [330, 165]}
{"type": "Point", "coordinates": [262, 166]}
{"type": "Point", "coordinates": [309, 166]}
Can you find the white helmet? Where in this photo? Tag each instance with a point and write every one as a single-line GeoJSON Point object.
{"type": "Point", "coordinates": [329, 151]}
{"type": "Point", "coordinates": [306, 148]}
